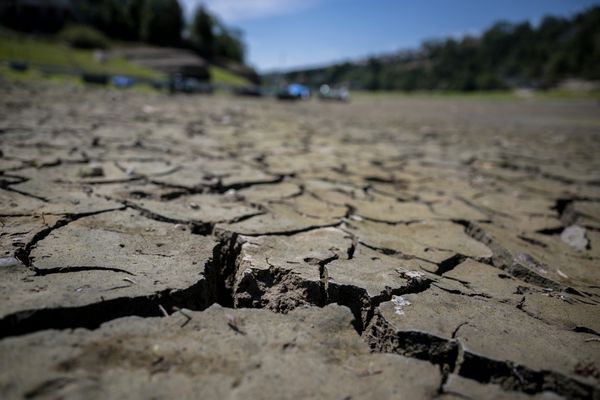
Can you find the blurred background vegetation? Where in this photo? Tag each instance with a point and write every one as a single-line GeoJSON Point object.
{"type": "Point", "coordinates": [70, 33]}
{"type": "Point", "coordinates": [158, 22]}
{"type": "Point", "coordinates": [63, 33]}
{"type": "Point", "coordinates": [505, 56]}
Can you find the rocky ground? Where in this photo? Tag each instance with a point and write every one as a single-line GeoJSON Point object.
{"type": "Point", "coordinates": [214, 247]}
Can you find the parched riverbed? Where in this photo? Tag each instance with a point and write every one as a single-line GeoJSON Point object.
{"type": "Point", "coordinates": [222, 248]}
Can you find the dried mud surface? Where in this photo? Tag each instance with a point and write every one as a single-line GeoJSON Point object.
{"type": "Point", "coordinates": [215, 247]}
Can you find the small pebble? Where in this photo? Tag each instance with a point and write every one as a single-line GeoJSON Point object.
{"type": "Point", "coordinates": [574, 236]}
{"type": "Point", "coordinates": [9, 262]}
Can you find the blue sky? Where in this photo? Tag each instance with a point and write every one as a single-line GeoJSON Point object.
{"type": "Point", "coordinates": [284, 34]}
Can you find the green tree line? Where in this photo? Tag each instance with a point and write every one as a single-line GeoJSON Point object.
{"type": "Point", "coordinates": [506, 55]}
{"type": "Point", "coordinates": [158, 22]}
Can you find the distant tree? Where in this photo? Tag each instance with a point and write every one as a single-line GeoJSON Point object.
{"type": "Point", "coordinates": [585, 45]}
{"type": "Point", "coordinates": [229, 44]}
{"type": "Point", "coordinates": [154, 21]}
{"type": "Point", "coordinates": [336, 73]}
{"type": "Point", "coordinates": [161, 22]}
{"type": "Point", "coordinates": [505, 55]}
{"type": "Point", "coordinates": [213, 40]}
{"type": "Point", "coordinates": [203, 32]}
{"type": "Point", "coordinates": [373, 70]}
{"type": "Point", "coordinates": [117, 18]}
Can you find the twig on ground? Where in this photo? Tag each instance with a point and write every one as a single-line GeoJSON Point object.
{"type": "Point", "coordinates": [234, 324]}
{"type": "Point", "coordinates": [162, 309]}
{"type": "Point", "coordinates": [186, 315]}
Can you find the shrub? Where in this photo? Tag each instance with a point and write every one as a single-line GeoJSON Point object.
{"type": "Point", "coordinates": [84, 37]}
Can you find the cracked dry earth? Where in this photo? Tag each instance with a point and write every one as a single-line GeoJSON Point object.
{"type": "Point", "coordinates": [214, 247]}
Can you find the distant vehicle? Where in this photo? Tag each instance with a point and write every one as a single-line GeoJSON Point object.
{"type": "Point", "coordinates": [294, 91]}
{"type": "Point", "coordinates": [327, 93]}
{"type": "Point", "coordinates": [184, 84]}
{"type": "Point", "coordinates": [18, 66]}
{"type": "Point", "coordinates": [96, 79]}
{"type": "Point", "coordinates": [249, 91]}
{"type": "Point", "coordinates": [122, 81]}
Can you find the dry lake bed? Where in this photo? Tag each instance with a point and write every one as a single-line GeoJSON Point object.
{"type": "Point", "coordinates": [395, 247]}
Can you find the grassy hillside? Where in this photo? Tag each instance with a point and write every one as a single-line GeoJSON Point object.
{"type": "Point", "coordinates": [15, 47]}
{"type": "Point", "coordinates": [35, 51]}
{"type": "Point", "coordinates": [220, 75]}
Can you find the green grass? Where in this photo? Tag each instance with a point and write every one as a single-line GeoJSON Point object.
{"type": "Point", "coordinates": [567, 94]}
{"type": "Point", "coordinates": [33, 76]}
{"type": "Point", "coordinates": [39, 51]}
{"type": "Point", "coordinates": [222, 76]}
